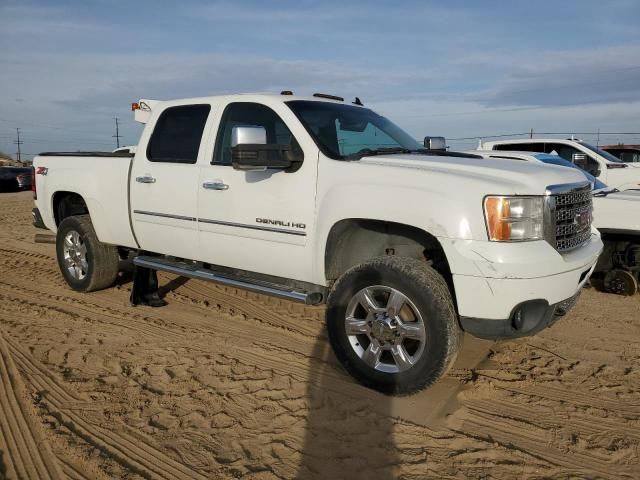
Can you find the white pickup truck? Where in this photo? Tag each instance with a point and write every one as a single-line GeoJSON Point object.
{"type": "Point", "coordinates": [603, 165]}
{"type": "Point", "coordinates": [322, 201]}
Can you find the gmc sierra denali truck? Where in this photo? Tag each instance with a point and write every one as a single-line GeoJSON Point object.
{"type": "Point", "coordinates": [321, 201]}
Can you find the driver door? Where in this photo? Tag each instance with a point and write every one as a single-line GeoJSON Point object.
{"type": "Point", "coordinates": [259, 221]}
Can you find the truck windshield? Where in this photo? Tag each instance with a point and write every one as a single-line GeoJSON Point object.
{"type": "Point", "coordinates": [556, 160]}
{"type": "Point", "coordinates": [346, 132]}
{"type": "Point", "coordinates": [607, 155]}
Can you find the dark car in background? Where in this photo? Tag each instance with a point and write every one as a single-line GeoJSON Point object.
{"type": "Point", "coordinates": [14, 179]}
{"type": "Point", "coordinates": [626, 153]}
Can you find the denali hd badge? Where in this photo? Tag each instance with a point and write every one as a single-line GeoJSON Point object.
{"type": "Point", "coordinates": [280, 223]}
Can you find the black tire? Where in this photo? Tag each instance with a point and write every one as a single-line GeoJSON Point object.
{"type": "Point", "coordinates": [428, 292]}
{"type": "Point", "coordinates": [102, 260]}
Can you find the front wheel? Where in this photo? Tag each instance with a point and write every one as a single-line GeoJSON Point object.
{"type": "Point", "coordinates": [392, 324]}
{"type": "Point", "coordinates": [86, 263]}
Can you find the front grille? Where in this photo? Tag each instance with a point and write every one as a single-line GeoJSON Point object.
{"type": "Point", "coordinates": [572, 216]}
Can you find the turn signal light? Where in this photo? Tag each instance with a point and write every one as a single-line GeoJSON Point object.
{"type": "Point", "coordinates": [498, 210]}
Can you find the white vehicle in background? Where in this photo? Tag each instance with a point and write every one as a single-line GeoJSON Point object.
{"type": "Point", "coordinates": [602, 165]}
{"type": "Point", "coordinates": [317, 200]}
{"type": "Point", "coordinates": [616, 216]}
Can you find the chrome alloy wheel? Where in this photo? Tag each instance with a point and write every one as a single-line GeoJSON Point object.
{"type": "Point", "coordinates": [75, 255]}
{"type": "Point", "coordinates": [385, 329]}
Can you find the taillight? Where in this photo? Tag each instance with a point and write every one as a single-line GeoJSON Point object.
{"type": "Point", "coordinates": [33, 183]}
{"type": "Point", "coordinates": [616, 165]}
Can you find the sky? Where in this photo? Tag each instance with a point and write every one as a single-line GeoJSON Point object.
{"type": "Point", "coordinates": [454, 68]}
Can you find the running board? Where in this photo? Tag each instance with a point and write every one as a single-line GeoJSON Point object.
{"type": "Point", "coordinates": [197, 271]}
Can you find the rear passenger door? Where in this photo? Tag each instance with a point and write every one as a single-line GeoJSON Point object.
{"type": "Point", "coordinates": [163, 182]}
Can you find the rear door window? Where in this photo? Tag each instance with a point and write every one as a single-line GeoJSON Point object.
{"type": "Point", "coordinates": [521, 147]}
{"type": "Point", "coordinates": [177, 134]}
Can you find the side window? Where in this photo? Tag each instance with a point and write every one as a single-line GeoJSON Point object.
{"type": "Point", "coordinates": [255, 115]}
{"type": "Point", "coordinates": [628, 156]}
{"type": "Point", "coordinates": [564, 151]}
{"type": "Point", "coordinates": [522, 147]}
{"type": "Point", "coordinates": [177, 134]}
{"type": "Point", "coordinates": [567, 151]}
{"type": "Point", "coordinates": [353, 138]}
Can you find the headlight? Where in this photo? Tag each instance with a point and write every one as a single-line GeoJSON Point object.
{"type": "Point", "coordinates": [514, 219]}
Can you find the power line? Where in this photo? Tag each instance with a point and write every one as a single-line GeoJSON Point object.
{"type": "Point", "coordinates": [40, 125]}
{"type": "Point", "coordinates": [530, 133]}
{"type": "Point", "coordinates": [75, 142]}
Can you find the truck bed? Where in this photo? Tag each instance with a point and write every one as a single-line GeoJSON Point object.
{"type": "Point", "coordinates": [100, 178]}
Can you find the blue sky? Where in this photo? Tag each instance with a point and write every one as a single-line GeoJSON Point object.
{"type": "Point", "coordinates": [450, 68]}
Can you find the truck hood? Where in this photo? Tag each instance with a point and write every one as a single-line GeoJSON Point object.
{"type": "Point", "coordinates": [623, 196]}
{"type": "Point", "coordinates": [494, 176]}
{"type": "Point", "coordinates": [617, 211]}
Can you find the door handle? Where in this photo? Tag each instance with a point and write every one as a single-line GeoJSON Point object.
{"type": "Point", "coordinates": [217, 185]}
{"type": "Point", "coordinates": [146, 179]}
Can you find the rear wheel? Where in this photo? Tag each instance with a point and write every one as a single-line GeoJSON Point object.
{"type": "Point", "coordinates": [392, 324]}
{"type": "Point", "coordinates": [86, 263]}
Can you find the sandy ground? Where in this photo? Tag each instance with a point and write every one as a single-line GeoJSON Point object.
{"type": "Point", "coordinates": [227, 384]}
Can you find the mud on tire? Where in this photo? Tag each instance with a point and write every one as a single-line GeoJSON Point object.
{"type": "Point", "coordinates": [424, 296]}
{"type": "Point", "coordinates": [86, 263]}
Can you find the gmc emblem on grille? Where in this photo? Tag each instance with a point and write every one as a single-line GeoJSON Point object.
{"type": "Point", "coordinates": [583, 218]}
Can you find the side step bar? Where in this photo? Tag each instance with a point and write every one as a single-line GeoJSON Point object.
{"type": "Point", "coordinates": [196, 271]}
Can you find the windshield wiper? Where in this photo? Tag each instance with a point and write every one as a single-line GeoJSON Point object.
{"type": "Point", "coordinates": [370, 152]}
{"type": "Point", "coordinates": [606, 192]}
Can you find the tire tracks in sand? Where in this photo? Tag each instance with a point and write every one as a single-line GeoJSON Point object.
{"type": "Point", "coordinates": [130, 451]}
{"type": "Point", "coordinates": [24, 454]}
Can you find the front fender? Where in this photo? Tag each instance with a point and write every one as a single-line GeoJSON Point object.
{"type": "Point", "coordinates": [432, 212]}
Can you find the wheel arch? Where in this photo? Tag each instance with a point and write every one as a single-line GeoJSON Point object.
{"type": "Point", "coordinates": [66, 203]}
{"type": "Point", "coordinates": [354, 240]}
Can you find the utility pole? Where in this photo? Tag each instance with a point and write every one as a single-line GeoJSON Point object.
{"type": "Point", "coordinates": [18, 142]}
{"type": "Point", "coordinates": [117, 135]}
{"type": "Point", "coordinates": [531, 133]}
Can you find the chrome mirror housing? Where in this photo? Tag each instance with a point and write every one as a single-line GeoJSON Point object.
{"type": "Point", "coordinates": [435, 143]}
{"type": "Point", "coordinates": [248, 134]}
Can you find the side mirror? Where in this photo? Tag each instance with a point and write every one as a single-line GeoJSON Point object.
{"type": "Point", "coordinates": [249, 151]}
{"type": "Point", "coordinates": [581, 160]}
{"type": "Point", "coordinates": [435, 143]}
{"type": "Point", "coordinates": [252, 156]}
